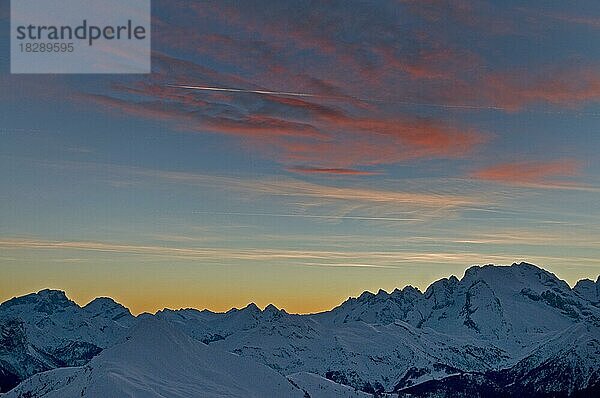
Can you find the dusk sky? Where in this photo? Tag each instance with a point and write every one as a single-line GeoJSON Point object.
{"type": "Point", "coordinates": [430, 136]}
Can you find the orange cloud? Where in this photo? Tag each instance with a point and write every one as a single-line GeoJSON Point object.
{"type": "Point", "coordinates": [528, 172]}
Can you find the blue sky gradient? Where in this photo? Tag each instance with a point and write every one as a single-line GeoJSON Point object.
{"type": "Point", "coordinates": [443, 134]}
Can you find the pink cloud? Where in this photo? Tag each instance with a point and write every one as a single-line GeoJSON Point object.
{"type": "Point", "coordinates": [567, 86]}
{"type": "Point", "coordinates": [528, 172]}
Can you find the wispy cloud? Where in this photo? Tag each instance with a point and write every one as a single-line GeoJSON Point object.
{"type": "Point", "coordinates": [321, 170]}
{"type": "Point", "coordinates": [223, 255]}
{"type": "Point", "coordinates": [321, 258]}
{"type": "Point", "coordinates": [313, 216]}
{"type": "Point", "coordinates": [328, 202]}
{"type": "Point", "coordinates": [384, 202]}
{"type": "Point", "coordinates": [337, 202]}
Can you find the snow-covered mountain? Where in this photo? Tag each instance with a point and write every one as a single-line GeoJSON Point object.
{"type": "Point", "coordinates": [46, 330]}
{"type": "Point", "coordinates": [497, 330]}
{"type": "Point", "coordinates": [156, 360]}
{"type": "Point", "coordinates": [491, 319]}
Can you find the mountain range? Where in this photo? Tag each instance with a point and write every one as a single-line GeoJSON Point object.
{"type": "Point", "coordinates": [498, 331]}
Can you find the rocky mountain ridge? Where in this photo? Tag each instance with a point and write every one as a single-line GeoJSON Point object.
{"type": "Point", "coordinates": [500, 329]}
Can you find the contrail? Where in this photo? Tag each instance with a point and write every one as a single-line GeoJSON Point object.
{"type": "Point", "coordinates": [401, 102]}
{"type": "Point", "coordinates": [336, 97]}
{"type": "Point", "coordinates": [263, 92]}
{"type": "Point", "coordinates": [361, 218]}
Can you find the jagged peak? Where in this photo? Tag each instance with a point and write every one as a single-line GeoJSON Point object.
{"type": "Point", "coordinates": [588, 289]}
{"type": "Point", "coordinates": [44, 299]}
{"type": "Point", "coordinates": [584, 282]}
{"type": "Point", "coordinates": [444, 284]}
{"type": "Point", "coordinates": [475, 270]}
{"type": "Point", "coordinates": [251, 307]}
{"type": "Point", "coordinates": [171, 311]}
{"type": "Point", "coordinates": [271, 308]}
{"type": "Point", "coordinates": [103, 302]}
{"type": "Point", "coordinates": [272, 311]}
{"type": "Point", "coordinates": [186, 311]}
{"type": "Point", "coordinates": [366, 295]}
{"type": "Point", "coordinates": [588, 281]}
{"type": "Point", "coordinates": [409, 289]}
{"type": "Point", "coordinates": [105, 305]}
{"type": "Point", "coordinates": [53, 294]}
{"type": "Point", "coordinates": [494, 275]}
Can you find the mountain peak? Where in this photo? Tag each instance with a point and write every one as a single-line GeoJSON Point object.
{"type": "Point", "coordinates": [252, 307]}
{"type": "Point", "coordinates": [54, 297]}
{"type": "Point", "coordinates": [108, 307]}
{"type": "Point", "coordinates": [53, 294]}
{"type": "Point", "coordinates": [366, 295]}
{"type": "Point", "coordinates": [271, 311]}
{"type": "Point", "coordinates": [46, 301]}
{"type": "Point", "coordinates": [585, 282]}
{"type": "Point", "coordinates": [271, 308]}
{"type": "Point", "coordinates": [588, 289]}
{"type": "Point", "coordinates": [523, 271]}
{"type": "Point", "coordinates": [103, 303]}
{"type": "Point", "coordinates": [409, 289]}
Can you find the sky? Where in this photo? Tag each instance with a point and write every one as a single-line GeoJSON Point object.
{"type": "Point", "coordinates": [430, 135]}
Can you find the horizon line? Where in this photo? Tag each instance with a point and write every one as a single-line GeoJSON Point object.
{"type": "Point", "coordinates": [252, 303]}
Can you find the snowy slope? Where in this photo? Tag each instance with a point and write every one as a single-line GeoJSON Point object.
{"type": "Point", "coordinates": [319, 387]}
{"type": "Point", "coordinates": [156, 360]}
